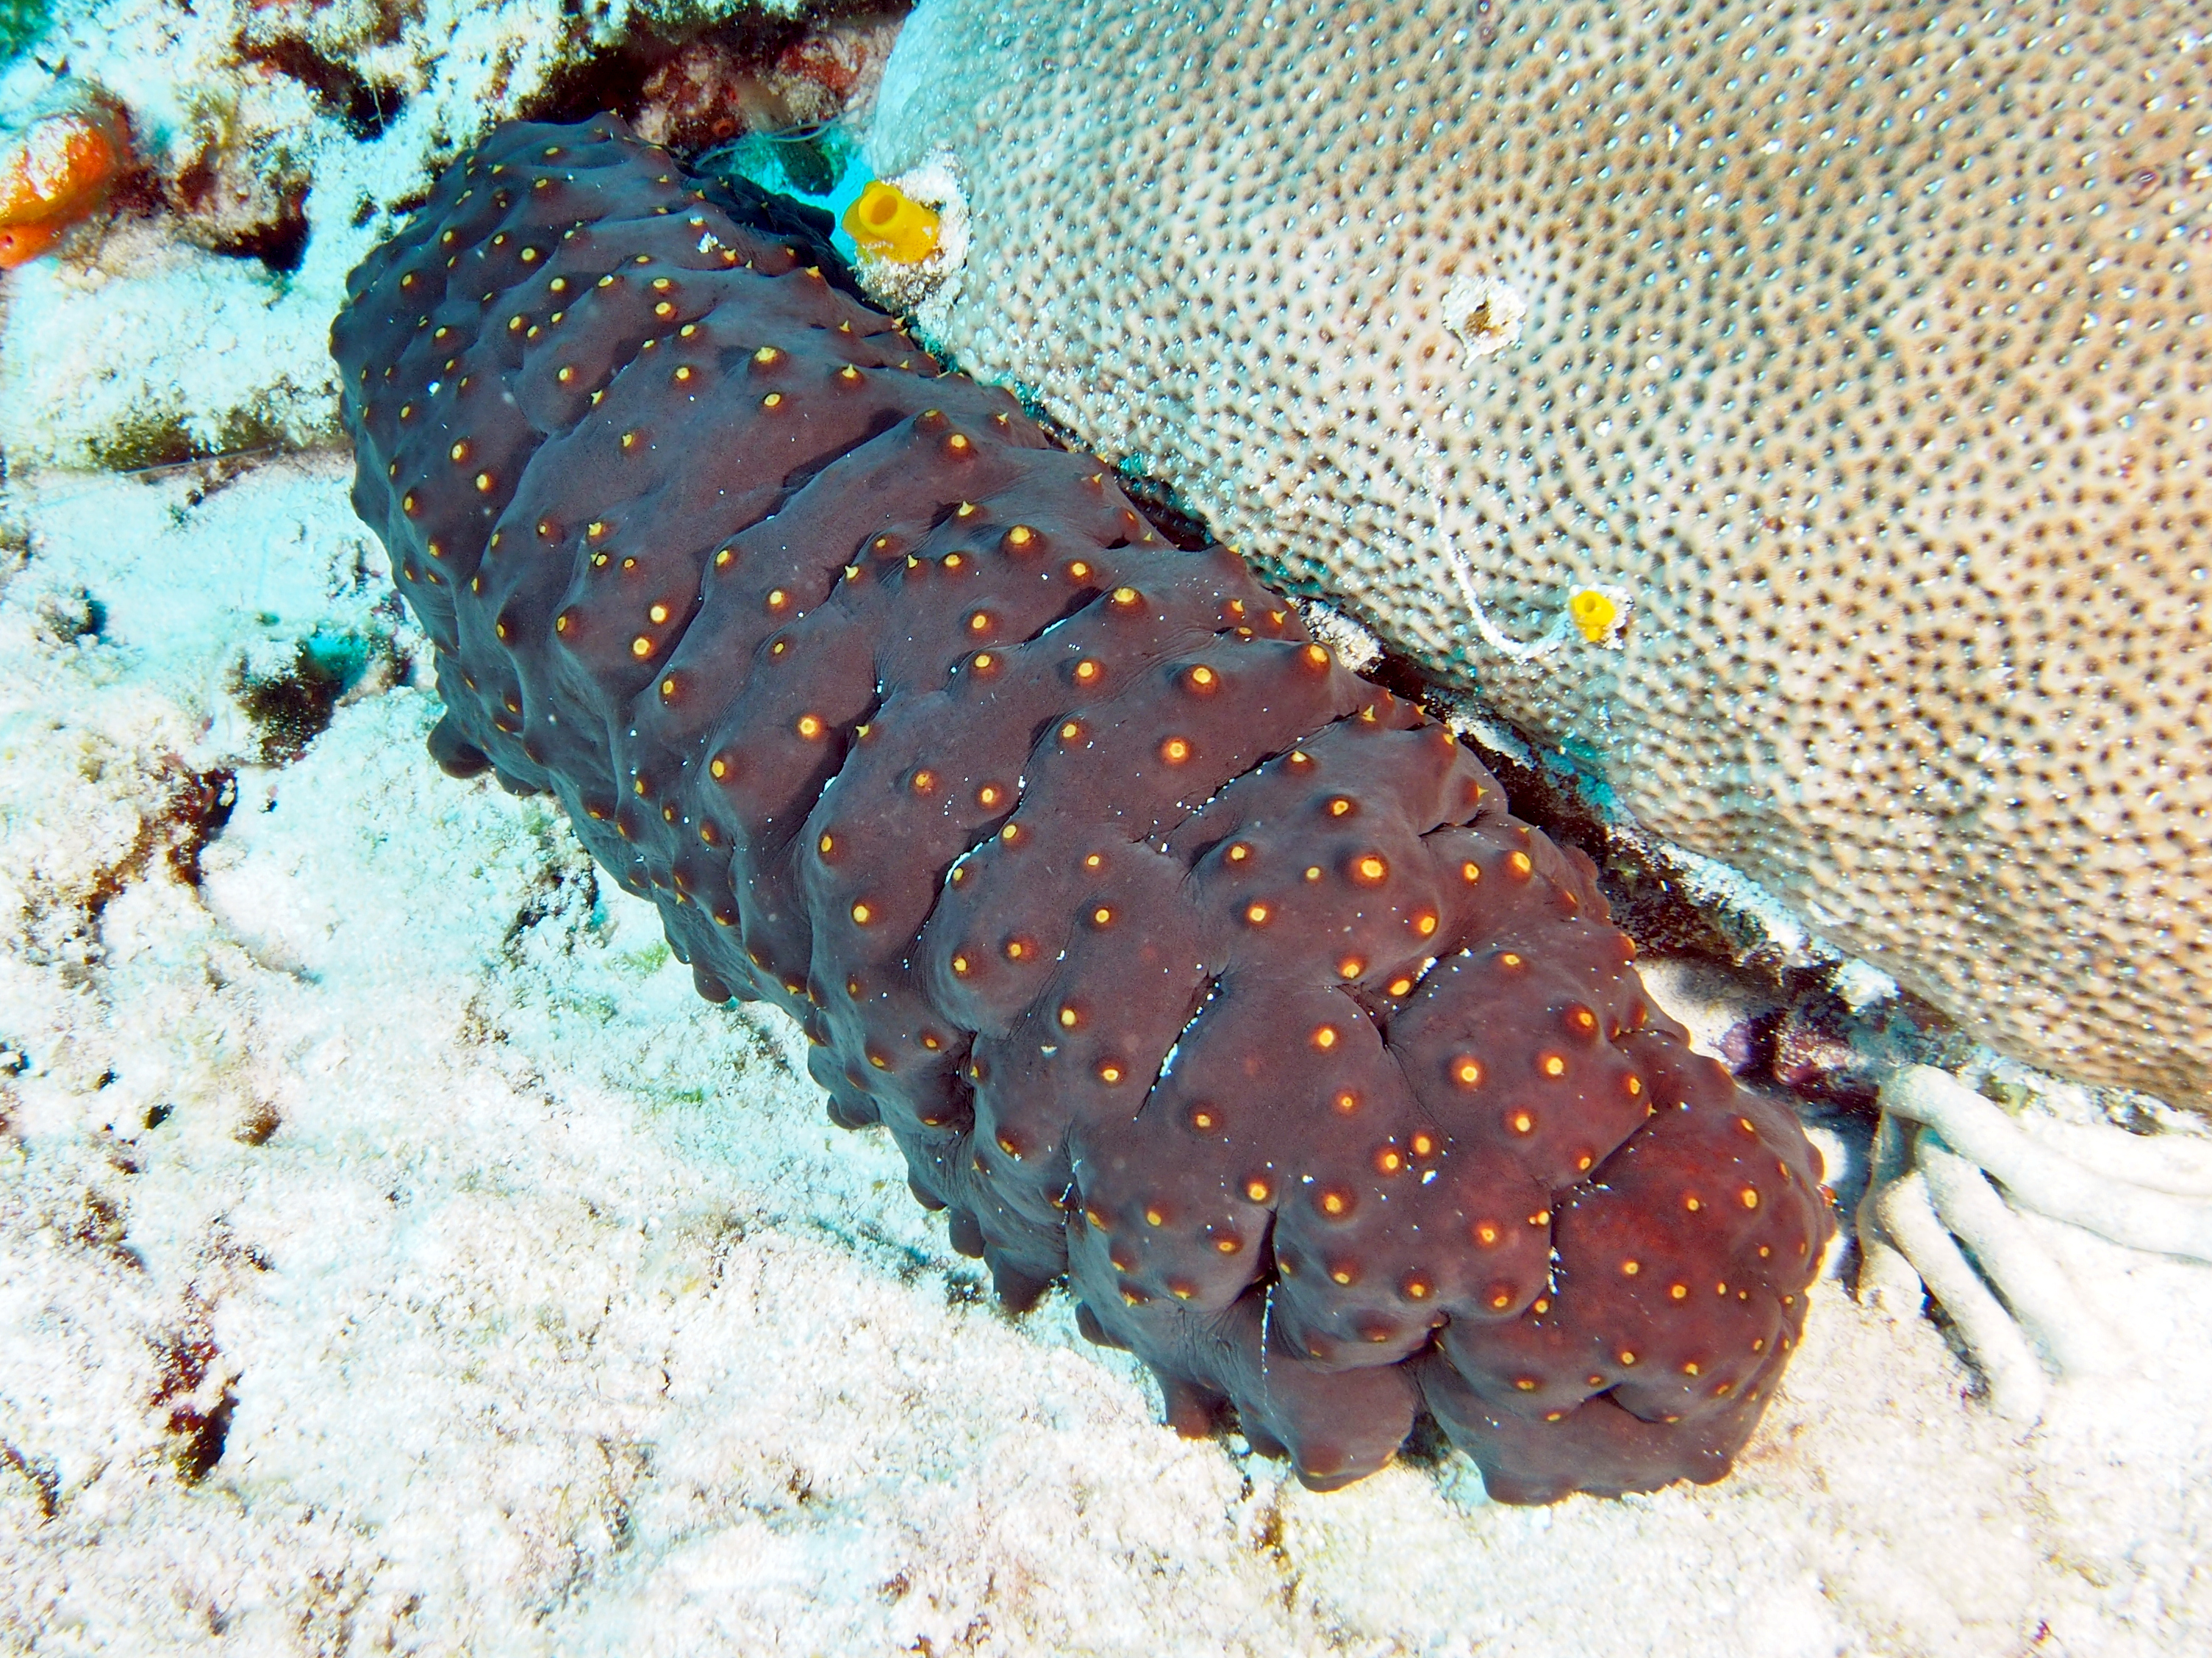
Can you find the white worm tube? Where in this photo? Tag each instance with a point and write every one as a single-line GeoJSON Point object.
{"type": "Point", "coordinates": [1886, 1280]}
{"type": "Point", "coordinates": [2037, 1177]}
{"type": "Point", "coordinates": [2035, 1287]}
{"type": "Point", "coordinates": [2180, 1164]}
{"type": "Point", "coordinates": [2017, 1384]}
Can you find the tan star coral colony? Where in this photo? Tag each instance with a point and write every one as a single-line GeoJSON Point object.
{"type": "Point", "coordinates": [1862, 352]}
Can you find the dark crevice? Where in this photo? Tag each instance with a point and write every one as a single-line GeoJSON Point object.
{"type": "Point", "coordinates": [647, 66]}
{"type": "Point", "coordinates": [1800, 1038]}
{"type": "Point", "coordinates": [1167, 831]}
{"type": "Point", "coordinates": [796, 481]}
{"type": "Point", "coordinates": [1381, 1007]}
{"type": "Point", "coordinates": [200, 808]}
{"type": "Point", "coordinates": [281, 243]}
{"type": "Point", "coordinates": [402, 207]}
{"type": "Point", "coordinates": [1182, 530]}
{"type": "Point", "coordinates": [202, 1437]}
{"type": "Point", "coordinates": [1202, 998]}
{"type": "Point", "coordinates": [1428, 1447]}
{"type": "Point", "coordinates": [45, 1480]}
{"type": "Point", "coordinates": [804, 229]}
{"type": "Point", "coordinates": [1647, 902]}
{"type": "Point", "coordinates": [783, 833]}
{"type": "Point", "coordinates": [69, 618]}
{"type": "Point", "coordinates": [187, 1360]}
{"type": "Point", "coordinates": [362, 106]}
{"type": "Point", "coordinates": [1078, 602]}
{"type": "Point", "coordinates": [290, 710]}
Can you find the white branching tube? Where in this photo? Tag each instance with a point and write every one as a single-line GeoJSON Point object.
{"type": "Point", "coordinates": [1886, 1277]}
{"type": "Point", "coordinates": [2016, 1381]}
{"type": "Point", "coordinates": [2034, 1177]}
{"type": "Point", "coordinates": [2034, 1286]}
{"type": "Point", "coordinates": [2176, 1163]}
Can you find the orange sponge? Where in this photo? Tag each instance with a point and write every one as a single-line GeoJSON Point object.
{"type": "Point", "coordinates": [54, 174]}
{"type": "Point", "coordinates": [20, 244]}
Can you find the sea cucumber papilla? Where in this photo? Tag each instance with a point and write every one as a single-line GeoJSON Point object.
{"type": "Point", "coordinates": [1176, 957]}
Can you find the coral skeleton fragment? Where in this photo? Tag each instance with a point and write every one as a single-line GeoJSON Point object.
{"type": "Point", "coordinates": [1176, 958]}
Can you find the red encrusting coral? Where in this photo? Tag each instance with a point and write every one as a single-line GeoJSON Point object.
{"type": "Point", "coordinates": [55, 174]}
{"type": "Point", "coordinates": [1175, 957]}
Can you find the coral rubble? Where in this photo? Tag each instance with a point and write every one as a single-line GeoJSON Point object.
{"type": "Point", "coordinates": [277, 141]}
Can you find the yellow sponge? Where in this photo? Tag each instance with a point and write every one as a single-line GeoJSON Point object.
{"type": "Point", "coordinates": [1597, 613]}
{"type": "Point", "coordinates": [890, 224]}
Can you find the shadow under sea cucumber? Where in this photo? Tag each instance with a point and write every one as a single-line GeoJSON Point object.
{"type": "Point", "coordinates": [1176, 957]}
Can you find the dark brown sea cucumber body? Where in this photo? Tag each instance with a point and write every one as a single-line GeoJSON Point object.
{"type": "Point", "coordinates": [1175, 957]}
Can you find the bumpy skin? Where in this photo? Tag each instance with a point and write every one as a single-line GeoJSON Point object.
{"type": "Point", "coordinates": [1176, 957]}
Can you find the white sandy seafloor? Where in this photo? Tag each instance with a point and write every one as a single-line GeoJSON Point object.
{"type": "Point", "coordinates": [553, 1316]}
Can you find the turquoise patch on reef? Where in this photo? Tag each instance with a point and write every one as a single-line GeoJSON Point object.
{"type": "Point", "coordinates": [820, 165]}
{"type": "Point", "coordinates": [21, 21]}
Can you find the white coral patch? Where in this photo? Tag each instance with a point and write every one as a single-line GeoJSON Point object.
{"type": "Point", "coordinates": [1484, 313]}
{"type": "Point", "coordinates": [1355, 646]}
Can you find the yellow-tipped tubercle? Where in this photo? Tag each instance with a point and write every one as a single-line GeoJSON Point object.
{"type": "Point", "coordinates": [890, 224]}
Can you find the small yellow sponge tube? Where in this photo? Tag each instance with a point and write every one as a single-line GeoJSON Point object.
{"type": "Point", "coordinates": [890, 224]}
{"type": "Point", "coordinates": [1595, 612]}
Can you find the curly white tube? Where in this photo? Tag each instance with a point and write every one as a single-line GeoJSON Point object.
{"type": "Point", "coordinates": [1564, 626]}
{"type": "Point", "coordinates": [2017, 1385]}
{"type": "Point", "coordinates": [2034, 1285]}
{"type": "Point", "coordinates": [2036, 1177]}
{"type": "Point", "coordinates": [1887, 1279]}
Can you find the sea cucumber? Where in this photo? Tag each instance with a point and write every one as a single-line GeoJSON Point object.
{"type": "Point", "coordinates": [1176, 957]}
